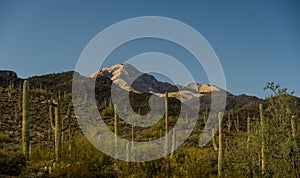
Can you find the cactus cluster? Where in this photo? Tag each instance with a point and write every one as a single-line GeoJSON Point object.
{"type": "Point", "coordinates": [56, 125]}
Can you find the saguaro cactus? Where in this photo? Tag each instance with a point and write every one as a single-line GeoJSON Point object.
{"type": "Point", "coordinates": [294, 124]}
{"type": "Point", "coordinates": [166, 125]}
{"type": "Point", "coordinates": [248, 144]}
{"type": "Point", "coordinates": [167, 160]}
{"type": "Point", "coordinates": [132, 142]}
{"type": "Point", "coordinates": [173, 143]}
{"type": "Point", "coordinates": [296, 139]}
{"type": "Point", "coordinates": [237, 123]}
{"type": "Point", "coordinates": [128, 150]}
{"type": "Point", "coordinates": [262, 124]}
{"type": "Point", "coordinates": [116, 125]}
{"type": "Point", "coordinates": [213, 140]}
{"type": "Point", "coordinates": [248, 131]}
{"type": "Point", "coordinates": [25, 121]}
{"type": "Point", "coordinates": [228, 122]}
{"type": "Point", "coordinates": [221, 149]}
{"type": "Point", "coordinates": [56, 125]}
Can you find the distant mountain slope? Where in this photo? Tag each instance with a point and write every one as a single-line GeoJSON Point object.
{"type": "Point", "coordinates": [10, 100]}
{"type": "Point", "coordinates": [129, 79]}
{"type": "Point", "coordinates": [53, 82]}
{"type": "Point", "coordinates": [8, 77]}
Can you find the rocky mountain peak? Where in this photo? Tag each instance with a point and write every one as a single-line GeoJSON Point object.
{"type": "Point", "coordinates": [202, 88]}
{"type": "Point", "coordinates": [129, 78]}
{"type": "Point", "coordinates": [8, 77]}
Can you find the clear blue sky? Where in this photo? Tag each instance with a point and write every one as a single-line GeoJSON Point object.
{"type": "Point", "coordinates": [256, 41]}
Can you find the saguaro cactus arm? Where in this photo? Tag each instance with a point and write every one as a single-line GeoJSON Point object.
{"type": "Point", "coordinates": [51, 104]}
{"type": "Point", "coordinates": [213, 140]}
{"type": "Point", "coordinates": [294, 124]}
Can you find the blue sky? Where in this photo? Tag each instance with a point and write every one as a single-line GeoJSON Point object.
{"type": "Point", "coordinates": [256, 41]}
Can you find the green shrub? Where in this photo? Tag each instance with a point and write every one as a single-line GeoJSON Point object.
{"type": "Point", "coordinates": [107, 112]}
{"type": "Point", "coordinates": [5, 138]}
{"type": "Point", "coordinates": [11, 163]}
{"type": "Point", "coordinates": [36, 170]}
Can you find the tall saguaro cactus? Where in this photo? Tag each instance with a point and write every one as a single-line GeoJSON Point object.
{"type": "Point", "coordinates": [128, 150]}
{"type": "Point", "coordinates": [58, 135]}
{"type": "Point", "coordinates": [167, 160]}
{"type": "Point", "coordinates": [25, 121]}
{"type": "Point", "coordinates": [56, 125]}
{"type": "Point", "coordinates": [132, 142]}
{"type": "Point", "coordinates": [221, 148]}
{"type": "Point", "coordinates": [166, 125]}
{"type": "Point", "coordinates": [237, 123]}
{"type": "Point", "coordinates": [116, 125]}
{"type": "Point", "coordinates": [296, 139]}
{"type": "Point", "coordinates": [262, 124]}
{"type": "Point", "coordinates": [173, 143]}
{"type": "Point", "coordinates": [248, 131]}
{"type": "Point", "coordinates": [228, 122]}
{"type": "Point", "coordinates": [248, 144]}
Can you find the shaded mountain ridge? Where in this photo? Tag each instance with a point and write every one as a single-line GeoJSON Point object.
{"type": "Point", "coordinates": [121, 75]}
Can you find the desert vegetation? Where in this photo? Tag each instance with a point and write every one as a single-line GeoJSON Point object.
{"type": "Point", "coordinates": [39, 137]}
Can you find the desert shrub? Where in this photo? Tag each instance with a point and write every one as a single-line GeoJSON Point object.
{"type": "Point", "coordinates": [4, 138]}
{"type": "Point", "coordinates": [200, 162]}
{"type": "Point", "coordinates": [107, 111]}
{"type": "Point", "coordinates": [40, 92]}
{"type": "Point", "coordinates": [36, 169]}
{"type": "Point", "coordinates": [86, 161]}
{"type": "Point", "coordinates": [38, 153]}
{"type": "Point", "coordinates": [92, 168]}
{"type": "Point", "coordinates": [11, 163]}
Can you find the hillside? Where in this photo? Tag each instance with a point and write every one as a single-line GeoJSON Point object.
{"type": "Point", "coordinates": [80, 157]}
{"type": "Point", "coordinates": [130, 79]}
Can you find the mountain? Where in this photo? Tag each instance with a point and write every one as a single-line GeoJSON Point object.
{"type": "Point", "coordinates": [144, 87]}
{"type": "Point", "coordinates": [128, 78]}
{"type": "Point", "coordinates": [8, 78]}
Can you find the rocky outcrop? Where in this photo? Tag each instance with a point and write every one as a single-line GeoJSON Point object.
{"type": "Point", "coordinates": [7, 78]}
{"type": "Point", "coordinates": [129, 78]}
